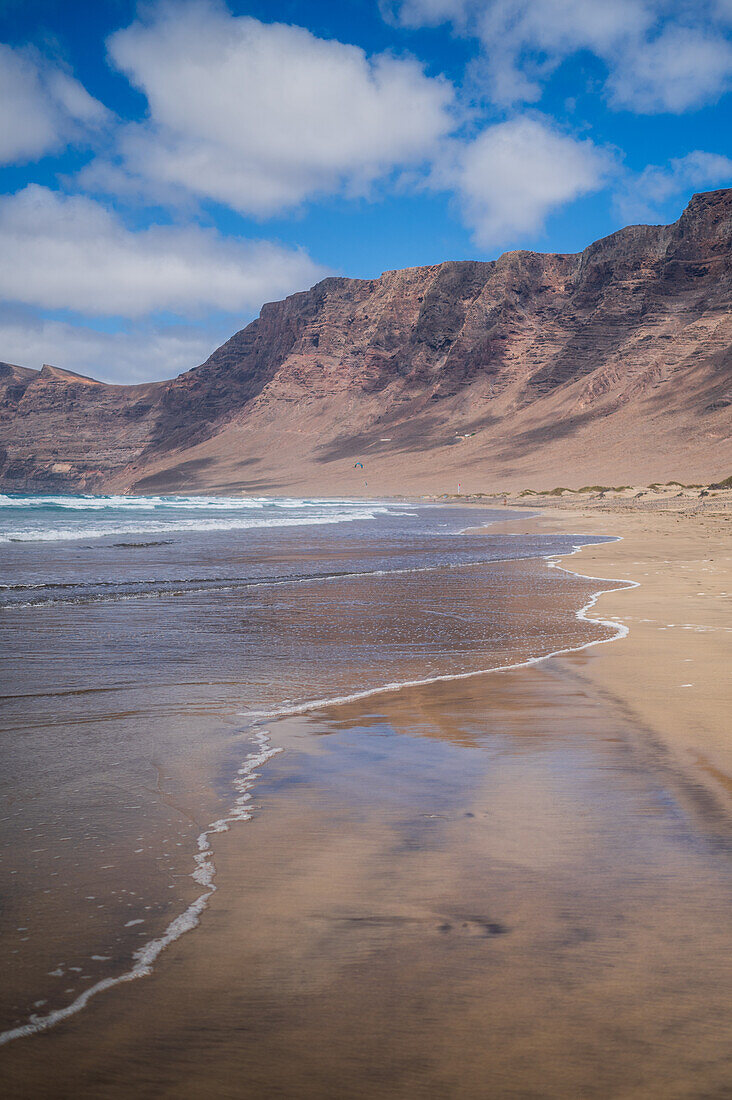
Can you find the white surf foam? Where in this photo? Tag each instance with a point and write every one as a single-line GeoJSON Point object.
{"type": "Point", "coordinates": [204, 873]}
{"type": "Point", "coordinates": [98, 502]}
{"type": "Point", "coordinates": [107, 530]}
{"type": "Point", "coordinates": [620, 630]}
{"type": "Point", "coordinates": [62, 518]}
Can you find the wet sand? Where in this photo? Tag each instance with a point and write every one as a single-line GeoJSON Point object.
{"type": "Point", "coordinates": [516, 885]}
{"type": "Point", "coordinates": [466, 891]}
{"type": "Point", "coordinates": [127, 722]}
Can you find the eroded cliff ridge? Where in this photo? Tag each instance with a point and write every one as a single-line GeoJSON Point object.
{"type": "Point", "coordinates": [612, 363]}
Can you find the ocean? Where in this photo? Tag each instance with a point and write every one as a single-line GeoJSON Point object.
{"type": "Point", "coordinates": [147, 640]}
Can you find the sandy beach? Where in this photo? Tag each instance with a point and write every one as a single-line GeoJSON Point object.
{"type": "Point", "coordinates": [366, 550]}
{"type": "Point", "coordinates": [514, 885]}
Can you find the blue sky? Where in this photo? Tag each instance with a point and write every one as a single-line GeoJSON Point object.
{"type": "Point", "coordinates": [167, 167]}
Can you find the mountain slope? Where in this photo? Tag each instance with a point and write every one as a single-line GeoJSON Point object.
{"type": "Point", "coordinates": [614, 364]}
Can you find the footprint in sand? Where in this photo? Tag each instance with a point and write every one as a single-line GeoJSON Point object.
{"type": "Point", "coordinates": [475, 927]}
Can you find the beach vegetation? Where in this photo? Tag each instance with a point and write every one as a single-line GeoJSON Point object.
{"type": "Point", "coordinates": [557, 492]}
{"type": "Point", "coordinates": [603, 488]}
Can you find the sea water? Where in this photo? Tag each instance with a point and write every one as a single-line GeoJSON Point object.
{"type": "Point", "coordinates": [145, 641]}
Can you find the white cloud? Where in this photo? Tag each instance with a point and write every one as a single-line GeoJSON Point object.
{"type": "Point", "coordinates": [661, 55]}
{"type": "Point", "coordinates": [514, 174]}
{"type": "Point", "coordinates": [680, 69]}
{"type": "Point", "coordinates": [426, 13]}
{"type": "Point", "coordinates": [643, 196]}
{"type": "Point", "coordinates": [71, 252]}
{"type": "Point", "coordinates": [42, 108]}
{"type": "Point", "coordinates": [145, 353]}
{"type": "Point", "coordinates": [262, 116]}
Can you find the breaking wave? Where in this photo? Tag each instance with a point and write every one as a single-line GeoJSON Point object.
{"type": "Point", "coordinates": [53, 518]}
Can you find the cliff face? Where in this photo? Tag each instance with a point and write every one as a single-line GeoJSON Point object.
{"type": "Point", "coordinates": [526, 364]}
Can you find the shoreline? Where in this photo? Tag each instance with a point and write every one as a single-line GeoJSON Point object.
{"type": "Point", "coordinates": [470, 888]}
{"type": "Point", "coordinates": [205, 869]}
{"type": "Point", "coordinates": [552, 562]}
{"type": "Point", "coordinates": [688, 715]}
{"type": "Point", "coordinates": [603, 670]}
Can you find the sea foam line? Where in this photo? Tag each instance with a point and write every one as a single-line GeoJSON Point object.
{"type": "Point", "coordinates": [620, 631]}
{"type": "Point", "coordinates": [183, 526]}
{"type": "Point", "coordinates": [205, 870]}
{"type": "Point", "coordinates": [204, 874]}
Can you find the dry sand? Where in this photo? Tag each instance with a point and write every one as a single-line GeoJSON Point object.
{"type": "Point", "coordinates": [513, 886]}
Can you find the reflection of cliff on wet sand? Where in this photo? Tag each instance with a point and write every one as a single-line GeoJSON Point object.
{"type": "Point", "coordinates": [463, 713]}
{"type": "Point", "coordinates": [468, 890]}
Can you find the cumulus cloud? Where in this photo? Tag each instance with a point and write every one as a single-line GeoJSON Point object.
{"type": "Point", "coordinates": [262, 116]}
{"type": "Point", "coordinates": [680, 69]}
{"type": "Point", "coordinates": [71, 252]}
{"type": "Point", "coordinates": [661, 55]}
{"type": "Point", "coordinates": [42, 108]}
{"type": "Point", "coordinates": [516, 173]}
{"type": "Point", "coordinates": [144, 353]}
{"type": "Point", "coordinates": [644, 195]}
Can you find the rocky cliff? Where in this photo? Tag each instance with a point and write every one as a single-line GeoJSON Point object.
{"type": "Point", "coordinates": [615, 363]}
